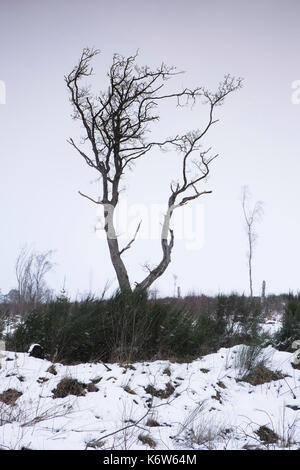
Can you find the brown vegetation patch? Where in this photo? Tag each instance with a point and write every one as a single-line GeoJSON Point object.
{"type": "Point", "coordinates": [69, 386]}
{"type": "Point", "coordinates": [52, 370]}
{"type": "Point", "coordinates": [152, 423]}
{"type": "Point", "coordinates": [261, 374]}
{"type": "Point", "coordinates": [10, 396]}
{"type": "Point", "coordinates": [127, 389]}
{"type": "Point", "coordinates": [41, 380]}
{"type": "Point", "coordinates": [147, 440]}
{"type": "Point", "coordinates": [160, 393]}
{"type": "Point", "coordinates": [96, 444]}
{"type": "Point", "coordinates": [91, 387]}
{"type": "Point", "coordinates": [128, 366]}
{"type": "Point", "coordinates": [250, 447]}
{"type": "Point", "coordinates": [266, 435]}
{"type": "Point", "coordinates": [96, 380]}
{"type": "Point", "coordinates": [217, 396]}
{"type": "Point", "coordinates": [220, 384]}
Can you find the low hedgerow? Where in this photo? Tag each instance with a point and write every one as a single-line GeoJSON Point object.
{"type": "Point", "coordinates": [129, 327]}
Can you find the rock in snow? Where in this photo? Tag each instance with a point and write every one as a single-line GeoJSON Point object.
{"type": "Point", "coordinates": [36, 350]}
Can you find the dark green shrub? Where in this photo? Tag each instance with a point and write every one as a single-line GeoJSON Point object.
{"type": "Point", "coordinates": [290, 329]}
{"type": "Point", "coordinates": [4, 319]}
{"type": "Point", "coordinates": [44, 325]}
{"type": "Point", "coordinates": [126, 327]}
{"type": "Point", "coordinates": [181, 334]}
{"type": "Point", "coordinates": [237, 318]}
{"type": "Point", "coordinates": [2, 323]}
{"type": "Point", "coordinates": [131, 327]}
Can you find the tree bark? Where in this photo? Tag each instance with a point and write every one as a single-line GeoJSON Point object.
{"type": "Point", "coordinates": [114, 250]}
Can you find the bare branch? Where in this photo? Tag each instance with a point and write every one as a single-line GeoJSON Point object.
{"type": "Point", "coordinates": [131, 241]}
{"type": "Point", "coordinates": [91, 199]}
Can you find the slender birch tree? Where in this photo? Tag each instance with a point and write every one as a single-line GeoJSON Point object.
{"type": "Point", "coordinates": [252, 215]}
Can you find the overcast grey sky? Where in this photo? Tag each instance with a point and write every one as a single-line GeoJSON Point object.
{"type": "Point", "coordinates": [258, 137]}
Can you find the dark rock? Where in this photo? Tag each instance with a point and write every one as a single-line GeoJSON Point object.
{"type": "Point", "coordinates": [36, 350]}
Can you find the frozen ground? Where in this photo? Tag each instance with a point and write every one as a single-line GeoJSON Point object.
{"type": "Point", "coordinates": [199, 405]}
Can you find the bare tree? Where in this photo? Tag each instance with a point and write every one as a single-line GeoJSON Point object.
{"type": "Point", "coordinates": [116, 123]}
{"type": "Point", "coordinates": [31, 269]}
{"type": "Point", "coordinates": [251, 216]}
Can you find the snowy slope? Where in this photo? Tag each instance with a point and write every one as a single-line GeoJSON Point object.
{"type": "Point", "coordinates": [206, 407]}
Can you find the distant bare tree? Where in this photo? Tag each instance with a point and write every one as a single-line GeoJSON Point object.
{"type": "Point", "coordinates": [116, 124]}
{"type": "Point", "coordinates": [31, 269]}
{"type": "Point", "coordinates": [252, 215]}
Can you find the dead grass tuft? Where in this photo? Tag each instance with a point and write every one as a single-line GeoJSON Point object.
{"type": "Point", "coordinates": [147, 440]}
{"type": "Point", "coordinates": [10, 396]}
{"type": "Point", "coordinates": [42, 380]}
{"type": "Point", "coordinates": [69, 386]}
{"type": "Point", "coordinates": [91, 387]}
{"type": "Point", "coordinates": [221, 384]}
{"type": "Point", "coordinates": [128, 366]}
{"type": "Point", "coordinates": [167, 371]}
{"type": "Point", "coordinates": [261, 374]}
{"type": "Point", "coordinates": [267, 435]}
{"type": "Point", "coordinates": [217, 396]}
{"type": "Point", "coordinates": [52, 370]}
{"type": "Point", "coordinates": [152, 423]}
{"type": "Point", "coordinates": [160, 393]}
{"type": "Point", "coordinates": [127, 389]}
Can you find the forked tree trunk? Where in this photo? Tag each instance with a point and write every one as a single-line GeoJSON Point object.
{"type": "Point", "coordinates": [166, 249]}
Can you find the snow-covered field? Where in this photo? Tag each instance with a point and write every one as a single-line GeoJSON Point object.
{"type": "Point", "coordinates": [150, 405]}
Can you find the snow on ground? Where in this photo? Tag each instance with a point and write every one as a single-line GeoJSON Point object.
{"type": "Point", "coordinates": [204, 406]}
{"type": "Point", "coordinates": [272, 324]}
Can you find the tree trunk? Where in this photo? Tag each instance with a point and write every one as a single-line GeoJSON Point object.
{"type": "Point", "coordinates": [166, 249]}
{"type": "Point", "coordinates": [250, 262]}
{"type": "Point", "coordinates": [114, 250]}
